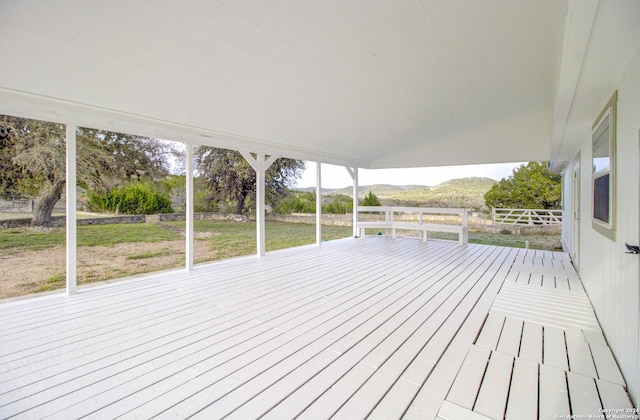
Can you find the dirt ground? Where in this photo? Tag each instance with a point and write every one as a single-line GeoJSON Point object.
{"type": "Point", "coordinates": [24, 272]}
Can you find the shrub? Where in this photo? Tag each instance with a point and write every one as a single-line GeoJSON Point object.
{"type": "Point", "coordinates": [202, 201]}
{"type": "Point", "coordinates": [135, 198]}
{"type": "Point", "coordinates": [297, 202]}
{"type": "Point", "coordinates": [341, 204]}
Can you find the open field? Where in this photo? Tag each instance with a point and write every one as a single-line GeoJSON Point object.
{"type": "Point", "coordinates": [33, 260]}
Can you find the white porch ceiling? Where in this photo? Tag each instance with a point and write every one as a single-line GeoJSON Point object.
{"type": "Point", "coordinates": [373, 83]}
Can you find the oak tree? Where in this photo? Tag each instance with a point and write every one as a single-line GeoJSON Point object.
{"type": "Point", "coordinates": [33, 159]}
{"type": "Point", "coordinates": [231, 179]}
{"type": "Point", "coordinates": [531, 186]}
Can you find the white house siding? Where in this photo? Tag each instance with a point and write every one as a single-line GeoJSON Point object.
{"type": "Point", "coordinates": [610, 276]}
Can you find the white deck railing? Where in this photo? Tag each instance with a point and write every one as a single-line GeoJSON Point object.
{"type": "Point", "coordinates": [423, 219]}
{"type": "Point", "coordinates": [526, 217]}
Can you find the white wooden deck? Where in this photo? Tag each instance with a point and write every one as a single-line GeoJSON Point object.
{"type": "Point", "coordinates": [377, 327]}
{"type": "Point", "coordinates": [540, 354]}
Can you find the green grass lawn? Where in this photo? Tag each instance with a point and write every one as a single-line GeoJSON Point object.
{"type": "Point", "coordinates": [229, 238]}
{"type": "Point", "coordinates": [548, 242]}
{"type": "Point", "coordinates": [90, 235]}
{"type": "Point", "coordinates": [232, 238]}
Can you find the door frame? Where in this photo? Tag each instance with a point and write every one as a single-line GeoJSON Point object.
{"type": "Point", "coordinates": [574, 246]}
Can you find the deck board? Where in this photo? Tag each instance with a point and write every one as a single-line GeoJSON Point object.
{"type": "Point", "coordinates": [465, 389]}
{"type": "Point", "coordinates": [371, 326]}
{"type": "Point", "coordinates": [523, 394]}
{"type": "Point", "coordinates": [615, 401]}
{"type": "Point", "coordinates": [494, 391]}
{"type": "Point", "coordinates": [511, 337]}
{"type": "Point", "coordinates": [491, 331]}
{"type": "Point", "coordinates": [584, 397]}
{"type": "Point", "coordinates": [554, 396]}
{"type": "Point", "coordinates": [531, 344]}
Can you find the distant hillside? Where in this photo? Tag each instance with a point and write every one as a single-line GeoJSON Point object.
{"type": "Point", "coordinates": [381, 190]}
{"type": "Point", "coordinates": [464, 192]}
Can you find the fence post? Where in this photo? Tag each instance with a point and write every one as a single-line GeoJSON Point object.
{"type": "Point", "coordinates": [493, 216]}
{"type": "Point", "coordinates": [464, 238]}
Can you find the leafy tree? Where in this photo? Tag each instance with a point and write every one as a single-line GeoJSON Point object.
{"type": "Point", "coordinates": [114, 159]}
{"type": "Point", "coordinates": [231, 180]}
{"type": "Point", "coordinates": [531, 186]}
{"type": "Point", "coordinates": [371, 200]}
{"type": "Point", "coordinates": [10, 173]}
{"type": "Point", "coordinates": [174, 186]}
{"type": "Point", "coordinates": [36, 152]}
{"type": "Point", "coordinates": [34, 158]}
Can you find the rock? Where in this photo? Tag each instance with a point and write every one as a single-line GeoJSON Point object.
{"type": "Point", "coordinates": [237, 218]}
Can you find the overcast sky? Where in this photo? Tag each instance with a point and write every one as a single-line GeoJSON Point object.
{"type": "Point", "coordinates": [337, 176]}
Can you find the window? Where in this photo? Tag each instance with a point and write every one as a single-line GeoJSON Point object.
{"type": "Point", "coordinates": [603, 175]}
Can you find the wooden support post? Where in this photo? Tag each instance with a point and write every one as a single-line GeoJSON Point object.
{"type": "Point", "coordinates": [260, 217]}
{"type": "Point", "coordinates": [260, 165]}
{"type": "Point", "coordinates": [318, 203]}
{"type": "Point", "coordinates": [71, 217]}
{"type": "Point", "coordinates": [189, 208]}
{"type": "Point", "coordinates": [464, 236]}
{"type": "Point", "coordinates": [353, 172]}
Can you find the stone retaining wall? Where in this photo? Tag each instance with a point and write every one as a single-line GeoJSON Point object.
{"type": "Point", "coordinates": [16, 206]}
{"type": "Point", "coordinates": [306, 218]}
{"type": "Point", "coordinates": [25, 205]}
{"type": "Point", "coordinates": [59, 221]}
{"type": "Point", "coordinates": [519, 230]}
